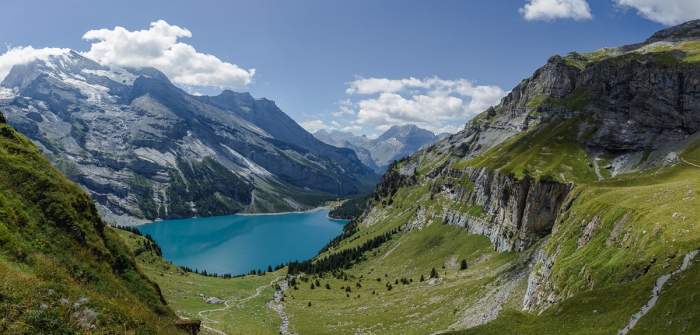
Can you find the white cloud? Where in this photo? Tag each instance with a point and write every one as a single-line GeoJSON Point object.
{"type": "Point", "coordinates": [448, 129]}
{"type": "Point", "coordinates": [158, 47]}
{"type": "Point", "coordinates": [352, 128]}
{"type": "Point", "coordinates": [377, 85]}
{"type": "Point", "coordinates": [431, 103]}
{"type": "Point", "coordinates": [668, 12]}
{"type": "Point", "coordinates": [313, 125]}
{"type": "Point", "coordinates": [549, 10]}
{"type": "Point", "coordinates": [24, 55]}
{"type": "Point", "coordinates": [316, 125]}
{"type": "Point", "coordinates": [345, 108]}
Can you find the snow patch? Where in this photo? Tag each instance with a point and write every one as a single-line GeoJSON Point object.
{"type": "Point", "coordinates": [7, 93]}
{"type": "Point", "coordinates": [94, 93]}
{"type": "Point", "coordinates": [114, 74]}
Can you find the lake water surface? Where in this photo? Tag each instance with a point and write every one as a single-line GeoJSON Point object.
{"type": "Point", "coordinates": [239, 243]}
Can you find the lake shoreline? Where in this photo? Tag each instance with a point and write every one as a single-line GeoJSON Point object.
{"type": "Point", "coordinates": [142, 223]}
{"type": "Point", "coordinates": [235, 244]}
{"type": "Point", "coordinates": [313, 210]}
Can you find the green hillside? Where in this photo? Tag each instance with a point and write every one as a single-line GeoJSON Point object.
{"type": "Point", "coordinates": [62, 271]}
{"type": "Point", "coordinates": [581, 195]}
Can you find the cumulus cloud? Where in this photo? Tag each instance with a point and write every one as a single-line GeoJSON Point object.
{"type": "Point", "coordinates": [313, 125]}
{"type": "Point", "coordinates": [549, 10]}
{"type": "Point", "coordinates": [24, 55]}
{"type": "Point", "coordinates": [668, 12]}
{"type": "Point", "coordinates": [431, 103]}
{"type": "Point", "coordinates": [316, 125]}
{"type": "Point", "coordinates": [158, 47]}
{"type": "Point", "coordinates": [345, 108]}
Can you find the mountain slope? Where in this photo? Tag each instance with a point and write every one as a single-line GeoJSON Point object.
{"type": "Point", "coordinates": [62, 269]}
{"type": "Point", "coordinates": [571, 205]}
{"type": "Point", "coordinates": [145, 149]}
{"type": "Point", "coordinates": [396, 143]}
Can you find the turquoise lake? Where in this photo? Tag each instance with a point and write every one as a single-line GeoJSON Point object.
{"type": "Point", "coordinates": [239, 243]}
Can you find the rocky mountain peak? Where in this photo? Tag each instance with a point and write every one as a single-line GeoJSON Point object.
{"type": "Point", "coordinates": [397, 142]}
{"type": "Point", "coordinates": [682, 32]}
{"type": "Point", "coordinates": [410, 134]}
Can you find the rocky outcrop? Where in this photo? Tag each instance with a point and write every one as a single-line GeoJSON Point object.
{"type": "Point", "coordinates": [682, 32]}
{"type": "Point", "coordinates": [540, 290]}
{"type": "Point", "coordinates": [513, 213]}
{"type": "Point", "coordinates": [637, 98]}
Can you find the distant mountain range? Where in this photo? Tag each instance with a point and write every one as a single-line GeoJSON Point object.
{"type": "Point", "coordinates": [396, 143]}
{"type": "Point", "coordinates": [145, 149]}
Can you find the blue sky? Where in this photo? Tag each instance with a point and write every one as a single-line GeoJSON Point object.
{"type": "Point", "coordinates": [357, 66]}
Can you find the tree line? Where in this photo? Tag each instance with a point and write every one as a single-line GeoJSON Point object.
{"type": "Point", "coordinates": [340, 260]}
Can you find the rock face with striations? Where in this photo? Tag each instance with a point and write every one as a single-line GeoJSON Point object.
{"type": "Point", "coordinates": [516, 212]}
{"type": "Point", "coordinates": [145, 149]}
{"type": "Point", "coordinates": [631, 98]}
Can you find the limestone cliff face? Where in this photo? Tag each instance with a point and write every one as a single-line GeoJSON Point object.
{"type": "Point", "coordinates": [632, 98]}
{"type": "Point", "coordinates": [516, 212]}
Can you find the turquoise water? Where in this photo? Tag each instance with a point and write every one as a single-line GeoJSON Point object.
{"type": "Point", "coordinates": [237, 244]}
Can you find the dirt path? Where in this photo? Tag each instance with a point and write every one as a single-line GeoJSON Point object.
{"type": "Point", "coordinates": [655, 292]}
{"type": "Point", "coordinates": [213, 330]}
{"type": "Point", "coordinates": [689, 163]}
{"type": "Point", "coordinates": [228, 304]}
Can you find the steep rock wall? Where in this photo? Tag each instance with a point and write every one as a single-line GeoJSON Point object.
{"type": "Point", "coordinates": [516, 212]}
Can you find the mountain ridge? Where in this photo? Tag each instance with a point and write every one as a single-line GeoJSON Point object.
{"type": "Point", "coordinates": [146, 149]}
{"type": "Point", "coordinates": [395, 143]}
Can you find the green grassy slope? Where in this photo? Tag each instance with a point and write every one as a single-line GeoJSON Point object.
{"type": "Point", "coordinates": [61, 270]}
{"type": "Point", "coordinates": [245, 311]}
{"type": "Point", "coordinates": [598, 286]}
{"type": "Point", "coordinates": [648, 222]}
{"type": "Point", "coordinates": [614, 240]}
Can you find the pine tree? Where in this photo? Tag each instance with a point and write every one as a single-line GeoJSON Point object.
{"type": "Point", "coordinates": [463, 265]}
{"type": "Point", "coordinates": [433, 273]}
{"type": "Point", "coordinates": [422, 279]}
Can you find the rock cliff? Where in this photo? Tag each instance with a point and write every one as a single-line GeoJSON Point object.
{"type": "Point", "coordinates": [515, 213]}
{"type": "Point", "coordinates": [629, 99]}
